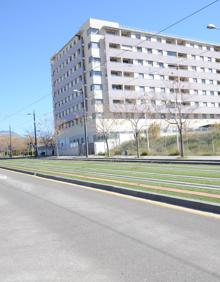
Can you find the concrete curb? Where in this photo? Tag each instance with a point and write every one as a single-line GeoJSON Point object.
{"type": "Point", "coordinates": [131, 160]}
{"type": "Point", "coordinates": [191, 204]}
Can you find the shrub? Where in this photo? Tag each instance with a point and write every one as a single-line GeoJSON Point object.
{"type": "Point", "coordinates": [174, 153]}
{"type": "Point", "coordinates": [117, 152]}
{"type": "Point", "coordinates": [101, 154]}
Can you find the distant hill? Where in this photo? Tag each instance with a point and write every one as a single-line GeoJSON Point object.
{"type": "Point", "coordinates": [5, 132]}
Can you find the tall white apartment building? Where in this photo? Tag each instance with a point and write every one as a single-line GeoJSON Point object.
{"type": "Point", "coordinates": [123, 71]}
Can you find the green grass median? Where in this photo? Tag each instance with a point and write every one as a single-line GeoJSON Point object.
{"type": "Point", "coordinates": [198, 182]}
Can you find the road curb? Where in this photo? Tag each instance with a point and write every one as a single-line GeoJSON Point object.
{"type": "Point", "coordinates": [142, 160]}
{"type": "Point", "coordinates": [191, 204]}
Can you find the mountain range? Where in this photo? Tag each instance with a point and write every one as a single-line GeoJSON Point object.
{"type": "Point", "coordinates": [5, 132]}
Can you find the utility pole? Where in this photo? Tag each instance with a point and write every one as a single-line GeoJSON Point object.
{"type": "Point", "coordinates": [85, 124]}
{"type": "Point", "coordinates": [35, 136]}
{"type": "Point", "coordinates": [10, 143]}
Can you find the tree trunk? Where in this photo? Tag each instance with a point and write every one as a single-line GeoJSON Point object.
{"type": "Point", "coordinates": [181, 142]}
{"type": "Point", "coordinates": [107, 147]}
{"type": "Point", "coordinates": [148, 141]}
{"type": "Point", "coordinates": [137, 144]}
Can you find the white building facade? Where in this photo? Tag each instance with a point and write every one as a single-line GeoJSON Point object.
{"type": "Point", "coordinates": [129, 74]}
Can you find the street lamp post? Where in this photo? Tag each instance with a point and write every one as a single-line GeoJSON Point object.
{"type": "Point", "coordinates": [213, 26]}
{"type": "Point", "coordinates": [84, 121]}
{"type": "Point", "coordinates": [35, 134]}
{"type": "Point", "coordinates": [10, 143]}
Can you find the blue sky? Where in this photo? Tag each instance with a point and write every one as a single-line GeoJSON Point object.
{"type": "Point", "coordinates": [33, 30]}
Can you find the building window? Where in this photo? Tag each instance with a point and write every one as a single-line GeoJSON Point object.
{"type": "Point", "coordinates": [94, 59]}
{"type": "Point", "coordinates": [114, 46]}
{"type": "Point", "coordinates": [116, 87]}
{"type": "Point", "coordinates": [116, 73]}
{"type": "Point", "coordinates": [141, 75]}
{"type": "Point", "coordinates": [196, 92]}
{"type": "Point", "coordinates": [128, 74]}
{"type": "Point", "coordinates": [95, 73]}
{"type": "Point", "coordinates": [93, 45]}
{"type": "Point", "coordinates": [92, 30]}
{"type": "Point", "coordinates": [126, 47]}
{"type": "Point", "coordinates": [115, 59]}
{"type": "Point", "coordinates": [94, 87]}
{"type": "Point", "coordinates": [127, 61]}
{"type": "Point", "coordinates": [97, 101]}
{"type": "Point", "coordinates": [118, 102]}
{"type": "Point", "coordinates": [129, 87]}
{"type": "Point", "coordinates": [141, 88]}
{"type": "Point", "coordinates": [171, 53]}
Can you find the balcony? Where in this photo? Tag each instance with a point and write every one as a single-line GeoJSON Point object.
{"type": "Point", "coordinates": [116, 73]}
{"type": "Point", "coordinates": [127, 61]}
{"type": "Point", "coordinates": [125, 33]}
{"type": "Point", "coordinates": [114, 46]}
{"type": "Point", "coordinates": [181, 42]}
{"type": "Point", "coordinates": [115, 59]}
{"type": "Point", "coordinates": [128, 74]}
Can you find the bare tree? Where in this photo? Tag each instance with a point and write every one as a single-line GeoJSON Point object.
{"type": "Point", "coordinates": [47, 140]}
{"type": "Point", "coordinates": [176, 109]}
{"type": "Point", "coordinates": [138, 111]}
{"type": "Point", "coordinates": [30, 142]}
{"type": "Point", "coordinates": [135, 119]}
{"type": "Point", "coordinates": [105, 127]}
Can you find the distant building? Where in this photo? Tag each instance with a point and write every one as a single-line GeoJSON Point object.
{"type": "Point", "coordinates": [45, 151]}
{"type": "Point", "coordinates": [121, 69]}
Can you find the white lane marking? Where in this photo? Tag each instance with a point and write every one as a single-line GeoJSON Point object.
{"type": "Point", "coordinates": [3, 177]}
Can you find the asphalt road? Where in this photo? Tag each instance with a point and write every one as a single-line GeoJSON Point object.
{"type": "Point", "coordinates": [52, 231]}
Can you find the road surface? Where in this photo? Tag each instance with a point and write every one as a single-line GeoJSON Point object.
{"type": "Point", "coordinates": [51, 231]}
